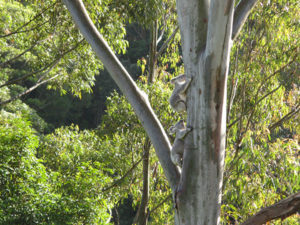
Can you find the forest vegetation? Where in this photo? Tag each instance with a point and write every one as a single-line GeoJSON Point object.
{"type": "Point", "coordinates": [72, 149]}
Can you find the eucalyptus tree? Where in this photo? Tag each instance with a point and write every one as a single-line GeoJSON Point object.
{"type": "Point", "coordinates": [207, 30]}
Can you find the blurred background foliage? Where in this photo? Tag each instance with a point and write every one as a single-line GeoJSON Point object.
{"type": "Point", "coordinates": [71, 145]}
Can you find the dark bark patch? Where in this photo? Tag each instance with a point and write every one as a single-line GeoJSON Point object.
{"type": "Point", "coordinates": [200, 91]}
{"type": "Point", "coordinates": [219, 96]}
{"type": "Point", "coordinates": [228, 7]}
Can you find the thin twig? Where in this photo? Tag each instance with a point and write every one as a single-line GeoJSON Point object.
{"type": "Point", "coordinates": [22, 53]}
{"type": "Point", "coordinates": [234, 85]}
{"type": "Point", "coordinates": [115, 183]}
{"type": "Point", "coordinates": [51, 65]}
{"type": "Point", "coordinates": [254, 107]}
{"type": "Point", "coordinates": [259, 89]}
{"type": "Point", "coordinates": [28, 90]}
{"type": "Point", "coordinates": [160, 204]}
{"type": "Point", "coordinates": [25, 24]}
{"type": "Point", "coordinates": [166, 43]}
{"type": "Point", "coordinates": [285, 118]}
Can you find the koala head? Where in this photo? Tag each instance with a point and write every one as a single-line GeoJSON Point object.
{"type": "Point", "coordinates": [178, 79]}
{"type": "Point", "coordinates": [178, 126]}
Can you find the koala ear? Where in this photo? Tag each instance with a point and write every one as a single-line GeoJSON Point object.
{"type": "Point", "coordinates": [182, 123]}
{"type": "Point", "coordinates": [172, 130]}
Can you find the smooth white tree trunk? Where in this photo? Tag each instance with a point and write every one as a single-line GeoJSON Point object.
{"type": "Point", "coordinates": [206, 31]}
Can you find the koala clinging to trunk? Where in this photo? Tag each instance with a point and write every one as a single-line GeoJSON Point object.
{"type": "Point", "coordinates": [178, 146]}
{"type": "Point", "coordinates": [178, 97]}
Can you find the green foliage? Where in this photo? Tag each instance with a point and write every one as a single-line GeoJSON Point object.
{"type": "Point", "coordinates": [45, 44]}
{"type": "Point", "coordinates": [65, 188]}
{"type": "Point", "coordinates": [261, 159]}
{"type": "Point", "coordinates": [28, 113]}
{"type": "Point", "coordinates": [122, 129]}
{"type": "Point", "coordinates": [80, 163]}
{"type": "Point", "coordinates": [78, 177]}
{"type": "Point", "coordinates": [25, 192]}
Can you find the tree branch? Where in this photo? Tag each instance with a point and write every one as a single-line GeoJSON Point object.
{"type": "Point", "coordinates": [152, 52]}
{"type": "Point", "coordinates": [135, 96]}
{"type": "Point", "coordinates": [241, 13]}
{"type": "Point", "coordinates": [160, 204]}
{"type": "Point", "coordinates": [29, 89]}
{"type": "Point", "coordinates": [285, 118]}
{"type": "Point", "coordinates": [233, 87]}
{"type": "Point", "coordinates": [51, 65]}
{"type": "Point", "coordinates": [142, 214]}
{"type": "Point", "coordinates": [252, 109]}
{"type": "Point", "coordinates": [115, 183]}
{"type": "Point", "coordinates": [279, 210]}
{"type": "Point", "coordinates": [25, 24]}
{"type": "Point", "coordinates": [166, 43]}
{"type": "Point", "coordinates": [161, 35]}
{"type": "Point", "coordinates": [22, 53]}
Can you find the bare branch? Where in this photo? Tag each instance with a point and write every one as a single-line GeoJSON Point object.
{"type": "Point", "coordinates": [51, 65]}
{"type": "Point", "coordinates": [152, 52]}
{"type": "Point", "coordinates": [135, 96]}
{"type": "Point", "coordinates": [28, 90]}
{"type": "Point", "coordinates": [279, 210]}
{"type": "Point", "coordinates": [241, 13]}
{"type": "Point", "coordinates": [119, 181]}
{"type": "Point", "coordinates": [233, 87]}
{"type": "Point", "coordinates": [253, 108]}
{"type": "Point", "coordinates": [161, 203]}
{"type": "Point", "coordinates": [161, 35]}
{"type": "Point", "coordinates": [142, 214]}
{"type": "Point", "coordinates": [17, 56]}
{"type": "Point", "coordinates": [285, 118]}
{"type": "Point", "coordinates": [166, 43]}
{"type": "Point", "coordinates": [259, 90]}
{"type": "Point", "coordinates": [27, 23]}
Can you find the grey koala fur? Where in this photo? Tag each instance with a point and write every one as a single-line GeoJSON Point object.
{"type": "Point", "coordinates": [178, 146]}
{"type": "Point", "coordinates": [178, 97]}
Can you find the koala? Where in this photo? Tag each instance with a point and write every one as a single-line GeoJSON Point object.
{"type": "Point", "coordinates": [178, 146]}
{"type": "Point", "coordinates": [178, 97]}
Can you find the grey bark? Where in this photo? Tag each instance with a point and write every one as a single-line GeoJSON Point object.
{"type": "Point", "coordinates": [142, 214]}
{"type": "Point", "coordinates": [241, 14]}
{"type": "Point", "coordinates": [152, 53]}
{"type": "Point", "coordinates": [206, 32]}
{"type": "Point", "coordinates": [206, 29]}
{"type": "Point", "coordinates": [135, 96]}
